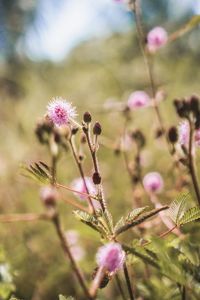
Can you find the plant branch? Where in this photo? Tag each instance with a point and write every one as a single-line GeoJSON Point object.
{"type": "Point", "coordinates": [80, 168]}
{"type": "Point", "coordinates": [191, 164]}
{"type": "Point", "coordinates": [128, 282]}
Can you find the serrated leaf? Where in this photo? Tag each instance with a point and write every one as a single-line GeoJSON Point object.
{"type": "Point", "coordinates": [37, 173]}
{"type": "Point", "coordinates": [91, 221]}
{"type": "Point", "coordinates": [190, 215]}
{"type": "Point", "coordinates": [142, 219]}
{"type": "Point", "coordinates": [178, 207]}
{"type": "Point", "coordinates": [135, 213]}
{"type": "Point", "coordinates": [193, 22]}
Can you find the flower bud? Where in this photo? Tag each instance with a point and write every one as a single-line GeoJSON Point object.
{"type": "Point", "coordinates": [48, 195]}
{"type": "Point", "coordinates": [87, 118]}
{"type": "Point", "coordinates": [153, 182]}
{"type": "Point", "coordinates": [173, 135]}
{"type": "Point", "coordinates": [194, 104]}
{"type": "Point", "coordinates": [96, 178]}
{"type": "Point", "coordinates": [74, 130]}
{"type": "Point", "coordinates": [97, 128]}
{"type": "Point", "coordinates": [105, 280]}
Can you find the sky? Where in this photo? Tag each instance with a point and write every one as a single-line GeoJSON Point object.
{"type": "Point", "coordinates": [63, 24]}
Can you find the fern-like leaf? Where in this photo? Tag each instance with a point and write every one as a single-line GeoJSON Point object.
{"type": "Point", "coordinates": [190, 215]}
{"type": "Point", "coordinates": [178, 207]}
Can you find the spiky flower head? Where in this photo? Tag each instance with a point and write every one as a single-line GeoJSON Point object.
{"type": "Point", "coordinates": [156, 38]}
{"type": "Point", "coordinates": [111, 256]}
{"type": "Point", "coordinates": [60, 111]}
{"type": "Point", "coordinates": [138, 99]}
{"type": "Point", "coordinates": [153, 182]}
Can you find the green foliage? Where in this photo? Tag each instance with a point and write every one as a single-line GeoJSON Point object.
{"type": "Point", "coordinates": [6, 281]}
{"type": "Point", "coordinates": [39, 172]}
{"type": "Point", "coordinates": [61, 297]}
{"type": "Point", "coordinates": [136, 221]}
{"type": "Point", "coordinates": [179, 212]}
{"type": "Point", "coordinates": [133, 215]}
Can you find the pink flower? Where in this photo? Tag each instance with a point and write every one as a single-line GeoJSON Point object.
{"type": "Point", "coordinates": [60, 111]}
{"type": "Point", "coordinates": [156, 38]}
{"type": "Point", "coordinates": [79, 186]}
{"type": "Point", "coordinates": [48, 195]}
{"type": "Point", "coordinates": [153, 182]}
{"type": "Point", "coordinates": [184, 133]}
{"type": "Point", "coordinates": [138, 99]}
{"type": "Point", "coordinates": [111, 256]}
{"type": "Point", "coordinates": [72, 237]}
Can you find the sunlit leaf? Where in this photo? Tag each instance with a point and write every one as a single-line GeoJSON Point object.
{"type": "Point", "coordinates": [190, 215]}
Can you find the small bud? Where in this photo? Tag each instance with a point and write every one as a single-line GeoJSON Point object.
{"type": "Point", "coordinates": [74, 130]}
{"type": "Point", "coordinates": [105, 280]}
{"type": "Point", "coordinates": [139, 138]}
{"type": "Point", "coordinates": [97, 128]}
{"type": "Point", "coordinates": [96, 178]}
{"type": "Point", "coordinates": [173, 135]}
{"type": "Point", "coordinates": [87, 118]}
{"type": "Point", "coordinates": [159, 132]}
{"type": "Point", "coordinates": [194, 104]}
{"type": "Point", "coordinates": [83, 139]}
{"type": "Point", "coordinates": [182, 108]}
{"type": "Point", "coordinates": [43, 129]}
{"type": "Point", "coordinates": [48, 195]}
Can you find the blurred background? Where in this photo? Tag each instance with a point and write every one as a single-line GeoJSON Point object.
{"type": "Point", "coordinates": [85, 51]}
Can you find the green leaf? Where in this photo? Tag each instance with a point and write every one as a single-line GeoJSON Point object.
{"type": "Point", "coordinates": [91, 221]}
{"type": "Point", "coordinates": [38, 172]}
{"type": "Point", "coordinates": [190, 215]}
{"type": "Point", "coordinates": [178, 207]}
{"type": "Point", "coordinates": [136, 222]}
{"type": "Point", "coordinates": [193, 22]}
{"type": "Point", "coordinates": [135, 213]}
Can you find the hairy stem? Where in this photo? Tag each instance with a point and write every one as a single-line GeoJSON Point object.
{"type": "Point", "coordinates": [128, 282]}
{"type": "Point", "coordinates": [80, 168]}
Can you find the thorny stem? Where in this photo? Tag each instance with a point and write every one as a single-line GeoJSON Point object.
{"type": "Point", "coordinates": [80, 168]}
{"type": "Point", "coordinates": [191, 164]}
{"type": "Point", "coordinates": [67, 251]}
{"type": "Point", "coordinates": [93, 152]}
{"type": "Point", "coordinates": [119, 285]}
{"type": "Point", "coordinates": [136, 11]}
{"type": "Point", "coordinates": [126, 275]}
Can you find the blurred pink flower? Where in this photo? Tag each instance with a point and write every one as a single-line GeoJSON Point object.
{"type": "Point", "coordinates": [184, 133]}
{"type": "Point", "coordinates": [79, 185]}
{"type": "Point", "coordinates": [72, 237]}
{"type": "Point", "coordinates": [153, 182]}
{"type": "Point", "coordinates": [138, 99]}
{"type": "Point", "coordinates": [156, 38]}
{"type": "Point", "coordinates": [111, 256]}
{"type": "Point", "coordinates": [48, 195]}
{"type": "Point", "coordinates": [60, 111]}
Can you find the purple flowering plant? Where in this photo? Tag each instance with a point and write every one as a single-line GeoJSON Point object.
{"type": "Point", "coordinates": [116, 258]}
